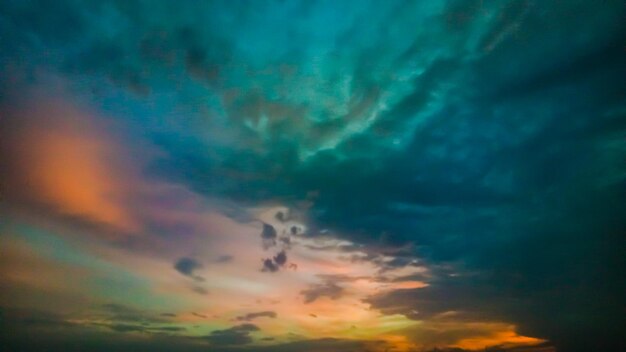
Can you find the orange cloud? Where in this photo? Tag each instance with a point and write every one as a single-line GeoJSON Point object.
{"type": "Point", "coordinates": [67, 159]}
{"type": "Point", "coordinates": [501, 336]}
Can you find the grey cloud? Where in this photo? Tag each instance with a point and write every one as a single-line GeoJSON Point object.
{"type": "Point", "coordinates": [188, 267]}
{"type": "Point", "coordinates": [168, 329]}
{"type": "Point", "coordinates": [281, 216]}
{"type": "Point", "coordinates": [32, 319]}
{"type": "Point", "coordinates": [235, 336]}
{"type": "Point", "coordinates": [123, 319]}
{"type": "Point", "coordinates": [268, 236]}
{"type": "Point", "coordinates": [269, 266]}
{"type": "Point", "coordinates": [251, 316]}
{"type": "Point", "coordinates": [128, 315]}
{"type": "Point", "coordinates": [126, 327]}
{"type": "Point", "coordinates": [281, 258]}
{"type": "Point", "coordinates": [325, 345]}
{"type": "Point", "coordinates": [274, 264]}
{"type": "Point", "coordinates": [328, 289]}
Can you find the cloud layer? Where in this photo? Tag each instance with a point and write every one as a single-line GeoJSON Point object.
{"type": "Point", "coordinates": [446, 173]}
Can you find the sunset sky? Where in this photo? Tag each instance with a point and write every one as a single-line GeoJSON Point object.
{"type": "Point", "coordinates": [312, 176]}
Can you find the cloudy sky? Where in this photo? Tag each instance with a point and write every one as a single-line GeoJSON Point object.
{"type": "Point", "coordinates": [313, 175]}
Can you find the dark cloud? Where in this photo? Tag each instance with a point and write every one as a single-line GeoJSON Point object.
{"type": "Point", "coordinates": [269, 266]}
{"type": "Point", "coordinates": [281, 216]}
{"type": "Point", "coordinates": [324, 345]}
{"type": "Point", "coordinates": [274, 264]}
{"type": "Point", "coordinates": [22, 328]}
{"type": "Point", "coordinates": [235, 336]}
{"type": "Point", "coordinates": [168, 329]}
{"type": "Point", "coordinates": [169, 343]}
{"type": "Point", "coordinates": [126, 327]}
{"type": "Point", "coordinates": [128, 315]}
{"type": "Point", "coordinates": [188, 267]}
{"type": "Point", "coordinates": [268, 236]}
{"type": "Point", "coordinates": [98, 340]}
{"type": "Point", "coordinates": [327, 289]}
{"type": "Point", "coordinates": [281, 258]}
{"type": "Point", "coordinates": [251, 316]}
{"type": "Point", "coordinates": [31, 319]}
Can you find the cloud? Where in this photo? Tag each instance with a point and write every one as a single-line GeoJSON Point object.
{"type": "Point", "coordinates": [251, 316]}
{"type": "Point", "coordinates": [281, 216]}
{"type": "Point", "coordinates": [268, 235]}
{"type": "Point", "coordinates": [32, 319]}
{"type": "Point", "coordinates": [281, 258]}
{"type": "Point", "coordinates": [328, 289]}
{"type": "Point", "coordinates": [126, 327]}
{"type": "Point", "coordinates": [274, 264]}
{"type": "Point", "coordinates": [269, 266]}
{"type": "Point", "coordinates": [235, 336]}
{"type": "Point", "coordinates": [325, 344]}
{"type": "Point", "coordinates": [123, 319]}
{"type": "Point", "coordinates": [67, 158]}
{"type": "Point", "coordinates": [189, 267]}
{"type": "Point", "coordinates": [224, 259]}
{"type": "Point", "coordinates": [120, 313]}
{"type": "Point", "coordinates": [92, 337]}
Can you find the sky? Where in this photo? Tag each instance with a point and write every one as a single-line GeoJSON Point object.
{"type": "Point", "coordinates": [249, 176]}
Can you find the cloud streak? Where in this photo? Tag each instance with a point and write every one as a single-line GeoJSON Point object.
{"type": "Point", "coordinates": [252, 316]}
